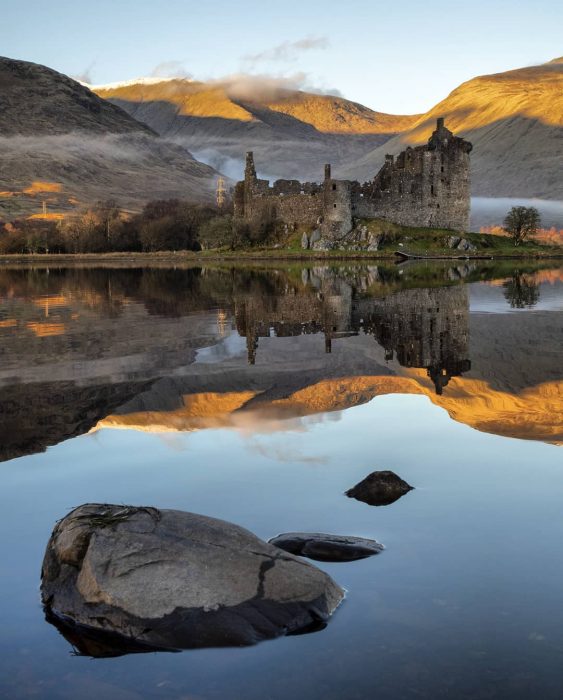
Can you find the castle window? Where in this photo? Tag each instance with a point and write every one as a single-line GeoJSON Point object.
{"type": "Point", "coordinates": [335, 206]}
{"type": "Point", "coordinates": [334, 187]}
{"type": "Point", "coordinates": [431, 189]}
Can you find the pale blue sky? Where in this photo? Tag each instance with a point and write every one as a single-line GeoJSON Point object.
{"type": "Point", "coordinates": [399, 57]}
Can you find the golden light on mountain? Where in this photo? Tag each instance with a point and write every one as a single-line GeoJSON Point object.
{"type": "Point", "coordinates": [38, 187]}
{"type": "Point", "coordinates": [336, 115]}
{"type": "Point", "coordinates": [327, 113]}
{"type": "Point", "coordinates": [510, 118]}
{"type": "Point", "coordinates": [531, 93]}
{"type": "Point", "coordinates": [533, 414]}
{"type": "Point", "coordinates": [188, 97]}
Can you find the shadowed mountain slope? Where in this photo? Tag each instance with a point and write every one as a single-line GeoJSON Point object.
{"type": "Point", "coordinates": [55, 131]}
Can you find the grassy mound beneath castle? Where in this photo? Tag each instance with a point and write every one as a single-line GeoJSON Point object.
{"type": "Point", "coordinates": [377, 237]}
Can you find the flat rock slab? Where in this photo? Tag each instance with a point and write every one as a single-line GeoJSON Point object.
{"type": "Point", "coordinates": [117, 579]}
{"type": "Point", "coordinates": [323, 547]}
{"type": "Point", "coordinates": [380, 489]}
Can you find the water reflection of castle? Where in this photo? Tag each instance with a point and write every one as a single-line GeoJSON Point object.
{"type": "Point", "coordinates": [421, 328]}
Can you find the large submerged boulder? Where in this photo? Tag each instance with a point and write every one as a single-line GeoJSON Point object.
{"type": "Point", "coordinates": [117, 579]}
{"type": "Point", "coordinates": [323, 547]}
{"type": "Point", "coordinates": [380, 488]}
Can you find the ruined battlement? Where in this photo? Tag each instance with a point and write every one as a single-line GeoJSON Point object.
{"type": "Point", "coordinates": [423, 186]}
{"type": "Point", "coordinates": [293, 202]}
{"type": "Point", "coordinates": [427, 185]}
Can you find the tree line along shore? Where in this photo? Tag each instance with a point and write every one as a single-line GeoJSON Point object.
{"type": "Point", "coordinates": [174, 228]}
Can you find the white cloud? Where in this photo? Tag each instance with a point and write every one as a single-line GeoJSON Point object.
{"type": "Point", "coordinates": [170, 69]}
{"type": "Point", "coordinates": [288, 50]}
{"type": "Point", "coordinates": [265, 87]}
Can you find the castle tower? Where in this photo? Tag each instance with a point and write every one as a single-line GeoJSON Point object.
{"type": "Point", "coordinates": [446, 179]}
{"type": "Point", "coordinates": [242, 199]}
{"type": "Point", "coordinates": [337, 207]}
{"type": "Point", "coordinates": [250, 169]}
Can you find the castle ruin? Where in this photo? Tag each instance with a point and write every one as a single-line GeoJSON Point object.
{"type": "Point", "coordinates": [426, 186]}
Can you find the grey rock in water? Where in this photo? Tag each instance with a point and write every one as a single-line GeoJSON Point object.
{"type": "Point", "coordinates": [380, 489]}
{"type": "Point", "coordinates": [323, 547]}
{"type": "Point", "coordinates": [117, 579]}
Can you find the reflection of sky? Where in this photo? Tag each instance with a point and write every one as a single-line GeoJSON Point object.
{"type": "Point", "coordinates": [466, 588]}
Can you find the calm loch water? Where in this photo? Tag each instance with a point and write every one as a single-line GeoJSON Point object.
{"type": "Point", "coordinates": [260, 396]}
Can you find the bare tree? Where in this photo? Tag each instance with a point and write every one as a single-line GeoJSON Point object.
{"type": "Point", "coordinates": [521, 223]}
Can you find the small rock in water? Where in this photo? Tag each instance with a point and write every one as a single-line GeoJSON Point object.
{"type": "Point", "coordinates": [117, 579]}
{"type": "Point", "coordinates": [380, 489]}
{"type": "Point", "coordinates": [323, 547]}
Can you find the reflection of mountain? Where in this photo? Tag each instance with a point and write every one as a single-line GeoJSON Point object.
{"type": "Point", "coordinates": [84, 346]}
{"type": "Point", "coordinates": [507, 390]}
{"type": "Point", "coordinates": [119, 348]}
{"type": "Point", "coordinates": [533, 414]}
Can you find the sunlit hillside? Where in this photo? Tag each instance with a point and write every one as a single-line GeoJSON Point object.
{"type": "Point", "coordinates": [292, 132]}
{"type": "Point", "coordinates": [515, 122]}
{"type": "Point", "coordinates": [247, 102]}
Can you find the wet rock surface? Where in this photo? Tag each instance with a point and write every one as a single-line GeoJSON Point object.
{"type": "Point", "coordinates": [380, 489]}
{"type": "Point", "coordinates": [323, 547]}
{"type": "Point", "coordinates": [117, 579]}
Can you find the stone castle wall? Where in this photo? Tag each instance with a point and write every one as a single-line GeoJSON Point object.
{"type": "Point", "coordinates": [424, 186]}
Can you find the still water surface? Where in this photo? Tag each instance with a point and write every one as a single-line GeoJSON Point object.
{"type": "Point", "coordinates": [261, 395]}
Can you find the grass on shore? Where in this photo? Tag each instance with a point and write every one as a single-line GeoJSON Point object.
{"type": "Point", "coordinates": [421, 241]}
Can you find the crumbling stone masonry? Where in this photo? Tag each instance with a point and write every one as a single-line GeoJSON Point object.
{"type": "Point", "coordinates": [423, 186]}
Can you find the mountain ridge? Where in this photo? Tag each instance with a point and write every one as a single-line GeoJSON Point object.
{"type": "Point", "coordinates": [293, 133]}
{"type": "Point", "coordinates": [62, 144]}
{"type": "Point", "coordinates": [513, 117]}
